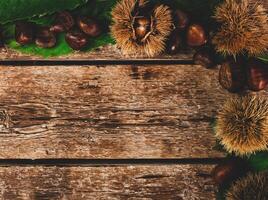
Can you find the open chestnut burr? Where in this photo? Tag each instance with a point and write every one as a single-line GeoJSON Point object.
{"type": "Point", "coordinates": [141, 28]}
{"type": "Point", "coordinates": [45, 38]}
{"type": "Point", "coordinates": [89, 26]}
{"type": "Point", "coordinates": [24, 32]}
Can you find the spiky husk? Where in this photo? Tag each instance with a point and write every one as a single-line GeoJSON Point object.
{"type": "Point", "coordinates": [244, 28]}
{"type": "Point", "coordinates": [253, 186]}
{"type": "Point", "coordinates": [242, 125]}
{"type": "Point", "coordinates": [122, 30]}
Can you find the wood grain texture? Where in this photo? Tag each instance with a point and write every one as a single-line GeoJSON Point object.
{"type": "Point", "coordinates": [108, 52]}
{"type": "Point", "coordinates": [265, 3]}
{"type": "Point", "coordinates": [187, 182]}
{"type": "Point", "coordinates": [108, 112]}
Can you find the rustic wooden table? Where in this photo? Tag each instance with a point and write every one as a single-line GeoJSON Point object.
{"type": "Point", "coordinates": [97, 126]}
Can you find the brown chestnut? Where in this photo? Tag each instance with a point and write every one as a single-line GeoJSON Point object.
{"type": "Point", "coordinates": [257, 75]}
{"type": "Point", "coordinates": [45, 38]}
{"type": "Point", "coordinates": [89, 26]}
{"type": "Point", "coordinates": [229, 170]}
{"type": "Point", "coordinates": [196, 35]}
{"type": "Point", "coordinates": [181, 19]}
{"type": "Point", "coordinates": [232, 75]}
{"type": "Point", "coordinates": [141, 27]}
{"type": "Point", "coordinates": [205, 57]}
{"type": "Point", "coordinates": [24, 32]}
{"type": "Point", "coordinates": [76, 39]}
{"type": "Point", "coordinates": [174, 44]}
{"type": "Point", "coordinates": [63, 22]}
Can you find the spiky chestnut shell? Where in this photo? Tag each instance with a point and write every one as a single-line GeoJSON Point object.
{"type": "Point", "coordinates": [244, 28]}
{"type": "Point", "coordinates": [242, 124]}
{"type": "Point", "coordinates": [135, 38]}
{"type": "Point", "coordinates": [253, 186]}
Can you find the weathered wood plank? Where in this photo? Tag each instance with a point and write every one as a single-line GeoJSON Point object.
{"type": "Point", "coordinates": [186, 182]}
{"type": "Point", "coordinates": [108, 52]}
{"type": "Point", "coordinates": [108, 112]}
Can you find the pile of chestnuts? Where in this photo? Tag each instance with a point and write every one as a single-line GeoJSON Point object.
{"type": "Point", "coordinates": [239, 75]}
{"type": "Point", "coordinates": [192, 35]}
{"type": "Point", "coordinates": [236, 74]}
{"type": "Point", "coordinates": [78, 31]}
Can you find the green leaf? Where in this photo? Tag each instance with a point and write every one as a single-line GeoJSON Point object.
{"type": "Point", "coordinates": [9, 31]}
{"type": "Point", "coordinates": [12, 10]}
{"type": "Point", "coordinates": [259, 161]}
{"type": "Point", "coordinates": [43, 21]}
{"type": "Point", "coordinates": [264, 58]}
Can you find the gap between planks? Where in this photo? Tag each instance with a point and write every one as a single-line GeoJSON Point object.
{"type": "Point", "coordinates": [108, 162]}
{"type": "Point", "coordinates": [84, 62]}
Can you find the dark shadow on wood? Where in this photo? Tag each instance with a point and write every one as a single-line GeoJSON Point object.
{"type": "Point", "coordinates": [107, 162]}
{"type": "Point", "coordinates": [101, 63]}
